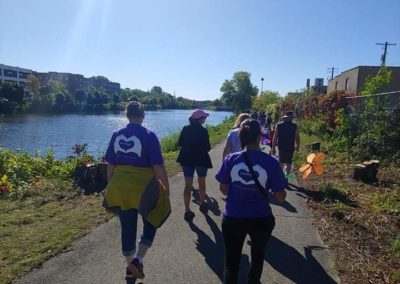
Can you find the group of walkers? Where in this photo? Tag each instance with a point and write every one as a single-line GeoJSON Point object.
{"type": "Point", "coordinates": [138, 184]}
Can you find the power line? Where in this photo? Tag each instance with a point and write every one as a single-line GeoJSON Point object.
{"type": "Point", "coordinates": [331, 71]}
{"type": "Point", "coordinates": [383, 57]}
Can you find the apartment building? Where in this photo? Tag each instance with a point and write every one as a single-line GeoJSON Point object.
{"type": "Point", "coordinates": [76, 81]}
{"type": "Point", "coordinates": [14, 74]}
{"type": "Point", "coordinates": [71, 81]}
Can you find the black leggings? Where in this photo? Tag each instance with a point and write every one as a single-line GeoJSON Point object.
{"type": "Point", "coordinates": [234, 231]}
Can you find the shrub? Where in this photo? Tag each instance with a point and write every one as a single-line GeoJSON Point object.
{"type": "Point", "coordinates": [170, 143]}
{"type": "Point", "coordinates": [314, 126]}
{"type": "Point", "coordinates": [17, 171]}
{"type": "Point", "coordinates": [378, 135]}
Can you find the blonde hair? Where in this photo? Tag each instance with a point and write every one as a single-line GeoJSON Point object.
{"type": "Point", "coordinates": [242, 117]}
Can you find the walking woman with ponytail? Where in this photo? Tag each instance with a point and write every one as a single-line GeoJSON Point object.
{"type": "Point", "coordinates": [245, 178]}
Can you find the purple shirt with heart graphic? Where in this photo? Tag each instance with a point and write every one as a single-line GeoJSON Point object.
{"type": "Point", "coordinates": [134, 145]}
{"type": "Point", "coordinates": [244, 199]}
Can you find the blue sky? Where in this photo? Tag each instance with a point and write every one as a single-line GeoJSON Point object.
{"type": "Point", "coordinates": [191, 47]}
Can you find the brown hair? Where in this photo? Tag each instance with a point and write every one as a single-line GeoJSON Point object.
{"type": "Point", "coordinates": [249, 131]}
{"type": "Point", "coordinates": [134, 110]}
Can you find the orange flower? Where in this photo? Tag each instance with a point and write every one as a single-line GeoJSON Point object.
{"type": "Point", "coordinates": [313, 164]}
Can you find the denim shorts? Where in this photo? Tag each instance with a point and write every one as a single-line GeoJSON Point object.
{"type": "Point", "coordinates": [189, 171]}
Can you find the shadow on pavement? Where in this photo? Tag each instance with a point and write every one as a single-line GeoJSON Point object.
{"type": "Point", "coordinates": [212, 203]}
{"type": "Point", "coordinates": [290, 263]}
{"type": "Point", "coordinates": [286, 205]}
{"type": "Point", "coordinates": [213, 251]}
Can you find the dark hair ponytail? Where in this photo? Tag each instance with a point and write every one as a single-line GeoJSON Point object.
{"type": "Point", "coordinates": [249, 131]}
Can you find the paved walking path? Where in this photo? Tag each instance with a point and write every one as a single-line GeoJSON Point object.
{"type": "Point", "coordinates": [194, 253]}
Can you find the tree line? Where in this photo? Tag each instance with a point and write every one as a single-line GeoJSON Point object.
{"type": "Point", "coordinates": [54, 97]}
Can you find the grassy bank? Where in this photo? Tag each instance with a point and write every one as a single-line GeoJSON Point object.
{"type": "Point", "coordinates": [43, 212]}
{"type": "Point", "coordinates": [359, 222]}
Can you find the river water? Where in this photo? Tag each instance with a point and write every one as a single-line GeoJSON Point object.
{"type": "Point", "coordinates": [59, 133]}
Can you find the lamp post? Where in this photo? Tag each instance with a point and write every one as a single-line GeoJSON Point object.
{"type": "Point", "coordinates": [262, 82]}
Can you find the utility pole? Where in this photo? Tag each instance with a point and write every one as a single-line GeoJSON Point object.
{"type": "Point", "coordinates": [332, 72]}
{"type": "Point", "coordinates": [383, 57]}
{"type": "Point", "coordinates": [262, 83]}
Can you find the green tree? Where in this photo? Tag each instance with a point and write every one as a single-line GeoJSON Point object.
{"type": "Point", "coordinates": [375, 84]}
{"type": "Point", "coordinates": [33, 86]}
{"type": "Point", "coordinates": [156, 90]}
{"type": "Point", "coordinates": [12, 92]}
{"type": "Point", "coordinates": [264, 101]}
{"type": "Point", "coordinates": [239, 91]}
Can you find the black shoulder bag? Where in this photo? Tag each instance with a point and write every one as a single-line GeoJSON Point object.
{"type": "Point", "coordinates": [262, 190]}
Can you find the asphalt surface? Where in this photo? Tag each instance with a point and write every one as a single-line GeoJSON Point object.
{"type": "Point", "coordinates": [194, 252]}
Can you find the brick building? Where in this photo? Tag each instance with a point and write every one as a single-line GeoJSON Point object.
{"type": "Point", "coordinates": [76, 81]}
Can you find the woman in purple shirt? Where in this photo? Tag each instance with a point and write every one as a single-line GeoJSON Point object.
{"type": "Point", "coordinates": [136, 175]}
{"type": "Point", "coordinates": [247, 209]}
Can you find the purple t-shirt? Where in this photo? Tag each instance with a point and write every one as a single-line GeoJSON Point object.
{"type": "Point", "coordinates": [134, 145]}
{"type": "Point", "coordinates": [244, 199]}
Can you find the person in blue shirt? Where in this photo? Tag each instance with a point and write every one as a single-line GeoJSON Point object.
{"type": "Point", "coordinates": [232, 142]}
{"type": "Point", "coordinates": [247, 210]}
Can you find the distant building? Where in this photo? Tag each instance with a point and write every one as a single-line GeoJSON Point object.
{"type": "Point", "coordinates": [291, 94]}
{"type": "Point", "coordinates": [76, 81]}
{"type": "Point", "coordinates": [71, 81]}
{"type": "Point", "coordinates": [319, 87]}
{"type": "Point", "coordinates": [14, 74]}
{"type": "Point", "coordinates": [353, 79]}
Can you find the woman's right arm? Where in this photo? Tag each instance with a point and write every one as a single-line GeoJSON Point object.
{"type": "Point", "coordinates": [280, 196]}
{"type": "Point", "coordinates": [161, 173]}
{"type": "Point", "coordinates": [110, 171]}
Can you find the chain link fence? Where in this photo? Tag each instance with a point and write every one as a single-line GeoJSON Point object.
{"type": "Point", "coordinates": [387, 101]}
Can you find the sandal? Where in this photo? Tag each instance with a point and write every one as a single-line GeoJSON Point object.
{"type": "Point", "coordinates": [136, 269]}
{"type": "Point", "coordinates": [189, 216]}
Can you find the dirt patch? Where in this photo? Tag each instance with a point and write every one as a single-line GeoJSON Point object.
{"type": "Point", "coordinates": [359, 222]}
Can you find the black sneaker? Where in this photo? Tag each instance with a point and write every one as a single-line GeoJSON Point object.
{"type": "Point", "coordinates": [203, 207]}
{"type": "Point", "coordinates": [189, 216]}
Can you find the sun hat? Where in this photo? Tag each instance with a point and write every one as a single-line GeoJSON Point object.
{"type": "Point", "coordinates": [198, 113]}
{"type": "Point", "coordinates": [288, 114]}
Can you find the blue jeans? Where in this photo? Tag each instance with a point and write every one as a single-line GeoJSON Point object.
{"type": "Point", "coordinates": [128, 220]}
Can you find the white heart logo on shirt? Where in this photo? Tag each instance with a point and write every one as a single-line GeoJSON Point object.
{"type": "Point", "coordinates": [133, 145]}
{"type": "Point", "coordinates": [241, 169]}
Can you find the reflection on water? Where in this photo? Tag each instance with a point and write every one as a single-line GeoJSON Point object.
{"type": "Point", "coordinates": [60, 132]}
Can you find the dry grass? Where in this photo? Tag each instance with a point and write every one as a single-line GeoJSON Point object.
{"type": "Point", "coordinates": [359, 222]}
